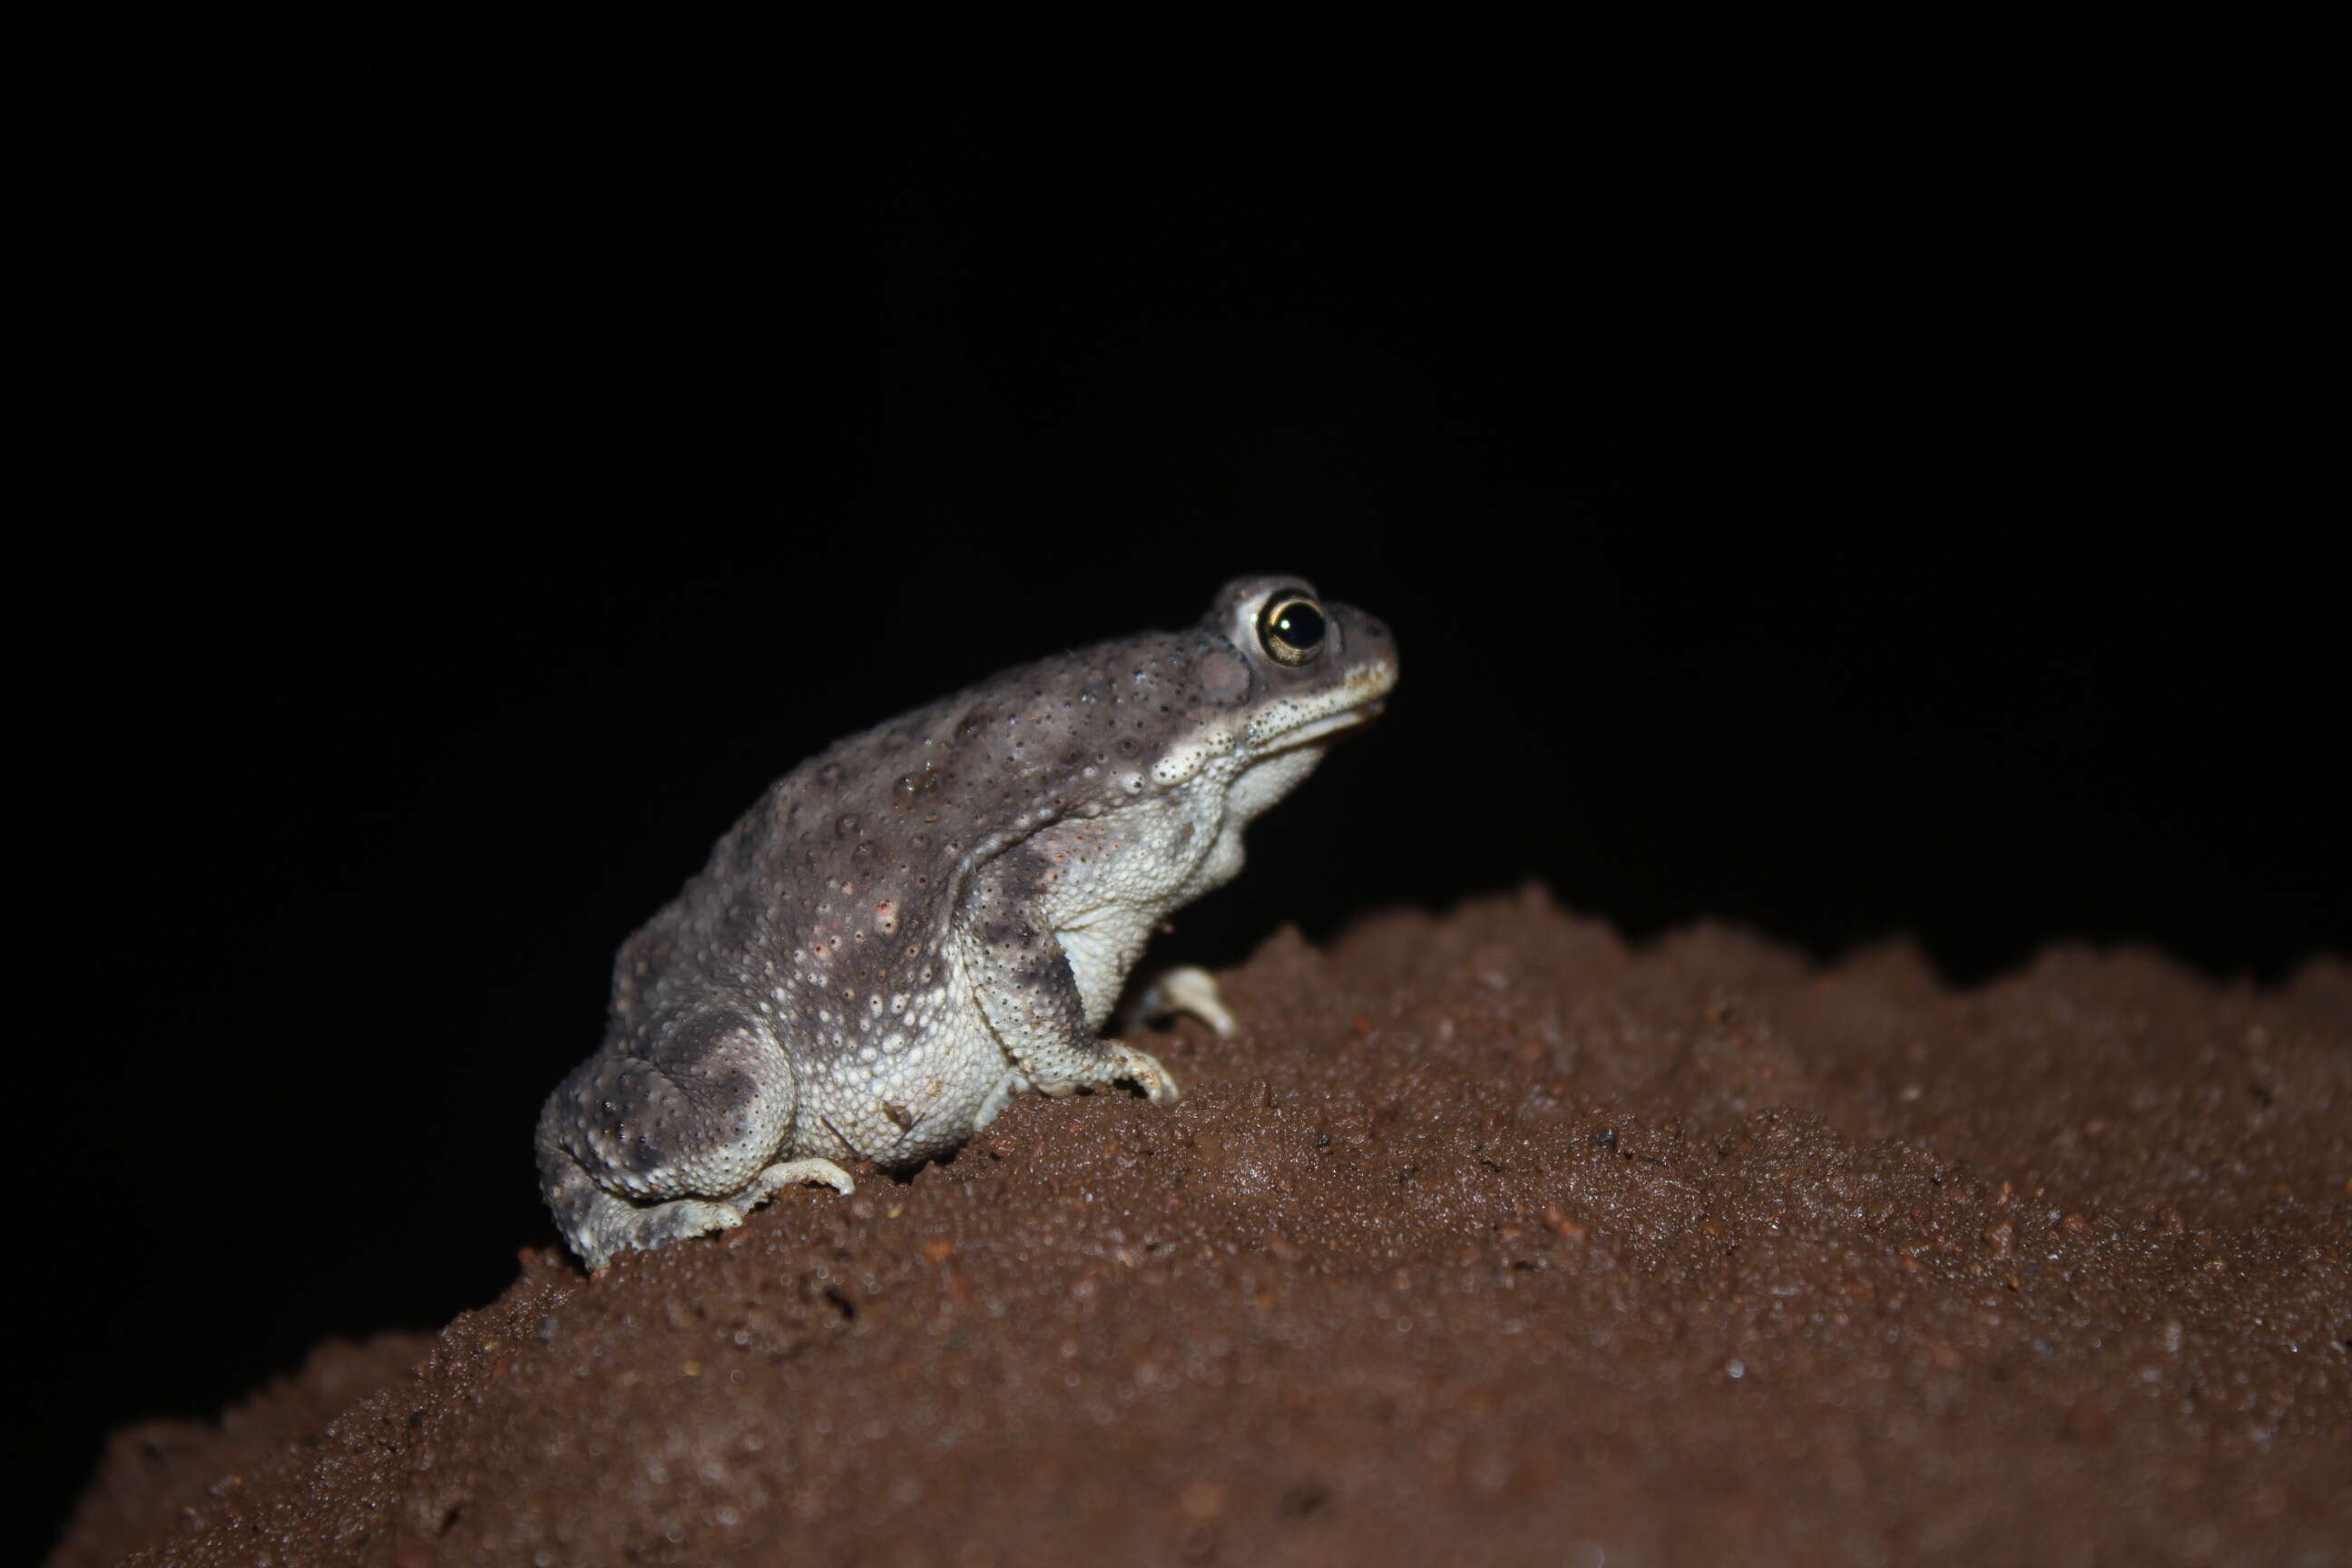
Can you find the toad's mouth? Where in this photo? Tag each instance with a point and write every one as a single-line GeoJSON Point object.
{"type": "Point", "coordinates": [1315, 730]}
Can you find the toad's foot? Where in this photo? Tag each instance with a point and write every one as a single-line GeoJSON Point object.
{"type": "Point", "coordinates": [783, 1173]}
{"type": "Point", "coordinates": [1186, 990]}
{"type": "Point", "coordinates": [1124, 1064]}
{"type": "Point", "coordinates": [612, 1224]}
{"type": "Point", "coordinates": [1144, 1071]}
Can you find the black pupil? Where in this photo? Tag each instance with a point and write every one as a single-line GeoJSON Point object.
{"type": "Point", "coordinates": [1299, 623]}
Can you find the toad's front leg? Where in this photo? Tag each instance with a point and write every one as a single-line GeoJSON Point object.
{"type": "Point", "coordinates": [1022, 982]}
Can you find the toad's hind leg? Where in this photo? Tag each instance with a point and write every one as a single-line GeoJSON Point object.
{"type": "Point", "coordinates": [678, 1127]}
{"type": "Point", "coordinates": [601, 1224]}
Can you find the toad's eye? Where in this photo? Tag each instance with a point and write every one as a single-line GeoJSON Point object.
{"type": "Point", "coordinates": [1291, 628]}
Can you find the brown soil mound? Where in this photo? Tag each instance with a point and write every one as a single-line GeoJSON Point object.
{"type": "Point", "coordinates": [1486, 1241]}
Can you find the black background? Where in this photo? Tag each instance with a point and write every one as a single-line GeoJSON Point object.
{"type": "Point", "coordinates": [1840, 487]}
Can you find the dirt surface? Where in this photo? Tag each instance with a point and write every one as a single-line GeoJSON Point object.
{"type": "Point", "coordinates": [1486, 1240]}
